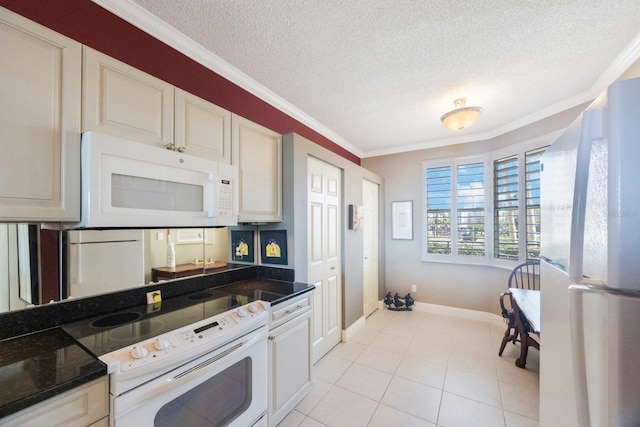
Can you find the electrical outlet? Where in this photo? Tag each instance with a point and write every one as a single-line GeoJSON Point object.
{"type": "Point", "coordinates": [154, 297]}
{"type": "Point", "coordinates": [160, 235]}
{"type": "Point", "coordinates": [414, 288]}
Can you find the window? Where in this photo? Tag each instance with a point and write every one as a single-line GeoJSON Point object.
{"type": "Point", "coordinates": [509, 212]}
{"type": "Point", "coordinates": [480, 212]}
{"type": "Point", "coordinates": [532, 187]}
{"type": "Point", "coordinates": [439, 210]}
{"type": "Point", "coordinates": [470, 197]}
{"type": "Point", "coordinates": [454, 209]}
{"type": "Point", "coordinates": [505, 202]}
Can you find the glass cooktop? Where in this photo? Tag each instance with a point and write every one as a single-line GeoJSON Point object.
{"type": "Point", "coordinates": [109, 332]}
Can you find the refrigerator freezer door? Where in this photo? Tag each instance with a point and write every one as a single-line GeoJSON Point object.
{"type": "Point", "coordinates": [624, 174]}
{"type": "Point", "coordinates": [558, 172]}
{"type": "Point", "coordinates": [574, 198]}
{"type": "Point", "coordinates": [588, 244]}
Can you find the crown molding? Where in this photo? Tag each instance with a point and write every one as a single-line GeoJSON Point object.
{"type": "Point", "coordinates": [149, 23]}
{"type": "Point", "coordinates": [169, 35]}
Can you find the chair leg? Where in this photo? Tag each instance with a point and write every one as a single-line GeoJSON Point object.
{"type": "Point", "coordinates": [507, 337]}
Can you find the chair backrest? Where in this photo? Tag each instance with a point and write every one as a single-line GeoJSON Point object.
{"type": "Point", "coordinates": [526, 276]}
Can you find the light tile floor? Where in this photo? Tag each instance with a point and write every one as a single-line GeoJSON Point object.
{"type": "Point", "coordinates": [421, 369]}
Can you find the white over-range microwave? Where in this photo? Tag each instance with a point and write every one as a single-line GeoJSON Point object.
{"type": "Point", "coordinates": [129, 184]}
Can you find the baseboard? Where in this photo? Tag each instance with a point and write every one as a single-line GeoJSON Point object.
{"type": "Point", "coordinates": [462, 313]}
{"type": "Point", "coordinates": [353, 329]}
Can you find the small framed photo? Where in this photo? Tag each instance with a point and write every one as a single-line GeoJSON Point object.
{"type": "Point", "coordinates": [242, 248]}
{"type": "Point", "coordinates": [402, 220]}
{"type": "Point", "coordinates": [355, 217]}
{"type": "Point", "coordinates": [273, 247]}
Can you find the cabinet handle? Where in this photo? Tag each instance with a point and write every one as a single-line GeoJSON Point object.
{"type": "Point", "coordinates": [171, 147]}
{"type": "Point", "coordinates": [298, 307]}
{"type": "Point", "coordinates": [182, 149]}
{"type": "Point", "coordinates": [272, 337]}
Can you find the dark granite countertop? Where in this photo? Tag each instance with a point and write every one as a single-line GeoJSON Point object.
{"type": "Point", "coordinates": [36, 367]}
{"type": "Point", "coordinates": [272, 291]}
{"type": "Point", "coordinates": [39, 365]}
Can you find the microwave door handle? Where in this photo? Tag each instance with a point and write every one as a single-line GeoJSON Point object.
{"type": "Point", "coordinates": [212, 193]}
{"type": "Point", "coordinates": [591, 129]}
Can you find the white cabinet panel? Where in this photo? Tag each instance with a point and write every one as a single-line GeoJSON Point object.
{"type": "Point", "coordinates": [202, 128]}
{"type": "Point", "coordinates": [258, 153]}
{"type": "Point", "coordinates": [291, 368]}
{"type": "Point", "coordinates": [123, 101]}
{"type": "Point", "coordinates": [76, 408]}
{"type": "Point", "coordinates": [39, 122]}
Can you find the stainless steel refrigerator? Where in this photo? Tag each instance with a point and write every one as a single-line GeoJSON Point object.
{"type": "Point", "coordinates": [590, 266]}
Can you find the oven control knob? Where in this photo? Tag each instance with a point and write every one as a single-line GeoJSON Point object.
{"type": "Point", "coordinates": [161, 344]}
{"type": "Point", "coordinates": [242, 312]}
{"type": "Point", "coordinates": [253, 308]}
{"type": "Point", "coordinates": [139, 352]}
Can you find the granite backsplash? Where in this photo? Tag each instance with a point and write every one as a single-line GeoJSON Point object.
{"type": "Point", "coordinates": [21, 322]}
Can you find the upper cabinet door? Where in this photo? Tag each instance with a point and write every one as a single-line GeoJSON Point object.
{"type": "Point", "coordinates": [257, 151]}
{"type": "Point", "coordinates": [201, 128]}
{"type": "Point", "coordinates": [123, 101]}
{"type": "Point", "coordinates": [39, 122]}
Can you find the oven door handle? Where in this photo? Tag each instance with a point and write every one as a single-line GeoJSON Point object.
{"type": "Point", "coordinates": [158, 387]}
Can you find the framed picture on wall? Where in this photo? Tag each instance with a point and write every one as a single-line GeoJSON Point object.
{"type": "Point", "coordinates": [355, 217]}
{"type": "Point", "coordinates": [242, 248]}
{"type": "Point", "coordinates": [273, 247]}
{"type": "Point", "coordinates": [402, 220]}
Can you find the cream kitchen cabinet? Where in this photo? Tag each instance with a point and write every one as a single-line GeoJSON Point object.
{"type": "Point", "coordinates": [123, 101]}
{"type": "Point", "coordinates": [257, 151]}
{"type": "Point", "coordinates": [79, 407]}
{"type": "Point", "coordinates": [39, 122]}
{"type": "Point", "coordinates": [290, 367]}
{"type": "Point", "coordinates": [201, 128]}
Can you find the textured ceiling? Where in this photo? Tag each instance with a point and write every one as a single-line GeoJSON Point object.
{"type": "Point", "coordinates": [375, 76]}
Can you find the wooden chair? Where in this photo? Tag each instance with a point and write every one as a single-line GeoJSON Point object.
{"type": "Point", "coordinates": [524, 276]}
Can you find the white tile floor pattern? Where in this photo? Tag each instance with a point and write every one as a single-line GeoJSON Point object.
{"type": "Point", "coordinates": [421, 369]}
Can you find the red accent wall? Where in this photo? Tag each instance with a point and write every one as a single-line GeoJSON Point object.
{"type": "Point", "coordinates": [90, 24]}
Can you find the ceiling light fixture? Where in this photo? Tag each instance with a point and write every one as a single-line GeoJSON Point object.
{"type": "Point", "coordinates": [462, 117]}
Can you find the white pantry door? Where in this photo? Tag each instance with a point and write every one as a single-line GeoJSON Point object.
{"type": "Point", "coordinates": [370, 246]}
{"type": "Point", "coordinates": [325, 257]}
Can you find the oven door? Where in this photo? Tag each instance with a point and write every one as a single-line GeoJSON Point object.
{"type": "Point", "coordinates": [227, 387]}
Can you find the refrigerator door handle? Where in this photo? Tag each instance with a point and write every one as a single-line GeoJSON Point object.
{"type": "Point", "coordinates": [576, 318]}
{"type": "Point", "coordinates": [591, 129]}
{"type": "Point", "coordinates": [578, 350]}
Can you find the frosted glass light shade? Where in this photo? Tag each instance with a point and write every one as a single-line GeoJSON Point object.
{"type": "Point", "coordinates": [462, 117]}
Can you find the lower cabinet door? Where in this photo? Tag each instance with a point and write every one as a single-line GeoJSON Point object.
{"type": "Point", "coordinates": [78, 407]}
{"type": "Point", "coordinates": [290, 366]}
